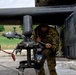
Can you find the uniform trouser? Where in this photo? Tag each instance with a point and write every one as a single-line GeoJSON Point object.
{"type": "Point", "coordinates": [51, 63]}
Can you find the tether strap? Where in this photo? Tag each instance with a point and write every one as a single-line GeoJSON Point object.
{"type": "Point", "coordinates": [12, 55]}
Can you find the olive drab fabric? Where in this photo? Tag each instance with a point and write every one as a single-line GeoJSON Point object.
{"type": "Point", "coordinates": [44, 2]}
{"type": "Point", "coordinates": [51, 37]}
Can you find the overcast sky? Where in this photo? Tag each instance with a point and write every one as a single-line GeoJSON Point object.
{"type": "Point", "coordinates": [16, 3]}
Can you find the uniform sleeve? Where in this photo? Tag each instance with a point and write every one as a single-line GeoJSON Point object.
{"type": "Point", "coordinates": [55, 42]}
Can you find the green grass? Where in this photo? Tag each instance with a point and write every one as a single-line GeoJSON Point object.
{"type": "Point", "coordinates": [9, 43]}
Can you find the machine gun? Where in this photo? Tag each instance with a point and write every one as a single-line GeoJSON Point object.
{"type": "Point", "coordinates": [38, 57]}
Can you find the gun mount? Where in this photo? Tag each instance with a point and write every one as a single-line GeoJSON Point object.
{"type": "Point", "coordinates": [28, 44]}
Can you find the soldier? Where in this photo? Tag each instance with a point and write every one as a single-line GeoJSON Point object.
{"type": "Point", "coordinates": [48, 35]}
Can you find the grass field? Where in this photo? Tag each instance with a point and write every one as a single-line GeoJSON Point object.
{"type": "Point", "coordinates": [9, 43]}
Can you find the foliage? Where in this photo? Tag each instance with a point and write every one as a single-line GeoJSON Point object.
{"type": "Point", "coordinates": [21, 27]}
{"type": "Point", "coordinates": [34, 26]}
{"type": "Point", "coordinates": [2, 28]}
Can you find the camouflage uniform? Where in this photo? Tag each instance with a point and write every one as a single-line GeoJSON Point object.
{"type": "Point", "coordinates": [52, 38]}
{"type": "Point", "coordinates": [44, 2]}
